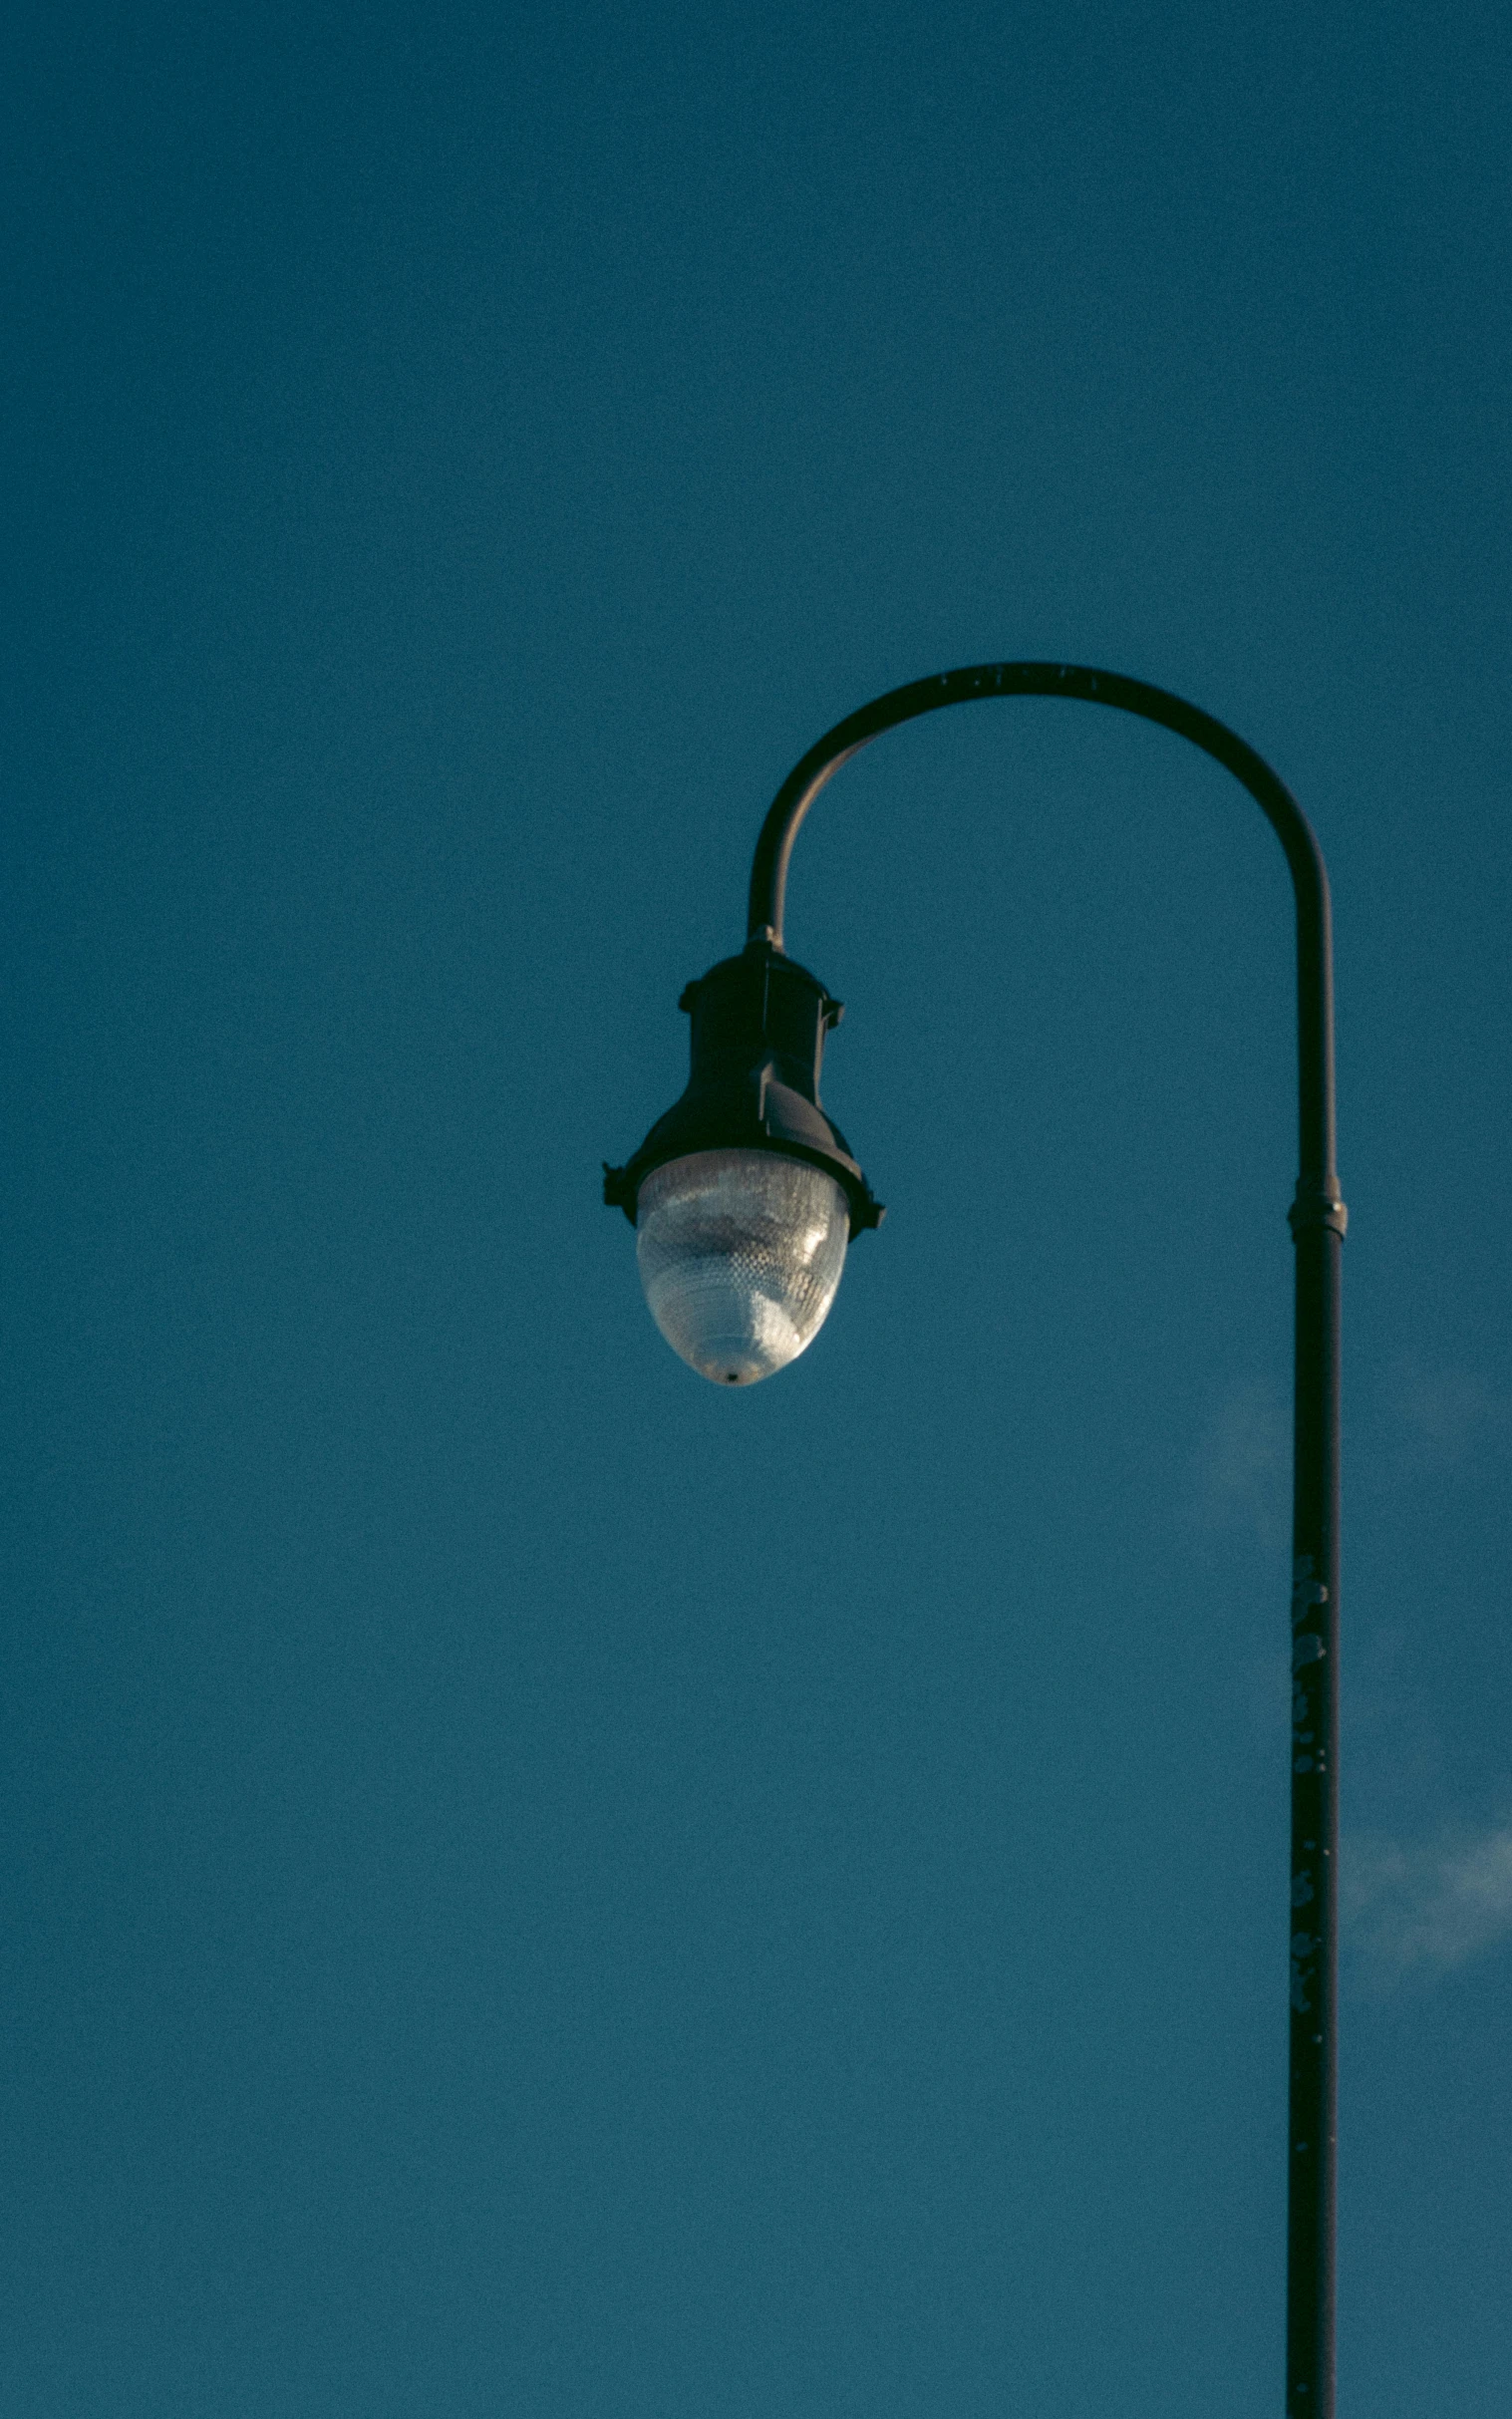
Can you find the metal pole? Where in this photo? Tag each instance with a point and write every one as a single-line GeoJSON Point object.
{"type": "Point", "coordinates": [1318, 1219]}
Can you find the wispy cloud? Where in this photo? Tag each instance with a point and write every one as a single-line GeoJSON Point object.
{"type": "Point", "coordinates": [1238, 1472]}
{"type": "Point", "coordinates": [1430, 1907]}
{"type": "Point", "coordinates": [1445, 1415]}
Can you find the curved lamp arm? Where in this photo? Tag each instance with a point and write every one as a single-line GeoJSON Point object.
{"type": "Point", "coordinates": [1315, 970]}
{"type": "Point", "coordinates": [1318, 1219]}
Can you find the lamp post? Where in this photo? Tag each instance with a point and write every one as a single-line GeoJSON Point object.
{"type": "Point", "coordinates": [745, 1196]}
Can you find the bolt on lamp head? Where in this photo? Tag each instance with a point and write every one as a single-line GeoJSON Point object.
{"type": "Point", "coordinates": [744, 1195]}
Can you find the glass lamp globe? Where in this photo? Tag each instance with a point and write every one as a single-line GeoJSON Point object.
{"type": "Point", "coordinates": [741, 1253]}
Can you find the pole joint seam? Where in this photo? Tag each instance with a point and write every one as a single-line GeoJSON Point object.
{"type": "Point", "coordinates": [1318, 1205]}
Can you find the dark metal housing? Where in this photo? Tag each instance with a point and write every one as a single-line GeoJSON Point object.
{"type": "Point", "coordinates": [758, 1043]}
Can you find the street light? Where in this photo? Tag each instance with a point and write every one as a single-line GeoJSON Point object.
{"type": "Point", "coordinates": [746, 1195]}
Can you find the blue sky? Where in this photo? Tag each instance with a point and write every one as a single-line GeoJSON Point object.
{"type": "Point", "coordinates": [537, 1887]}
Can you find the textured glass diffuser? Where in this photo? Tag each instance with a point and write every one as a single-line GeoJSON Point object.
{"type": "Point", "coordinates": [741, 1253]}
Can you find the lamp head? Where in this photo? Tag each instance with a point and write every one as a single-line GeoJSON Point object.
{"type": "Point", "coordinates": [745, 1194]}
